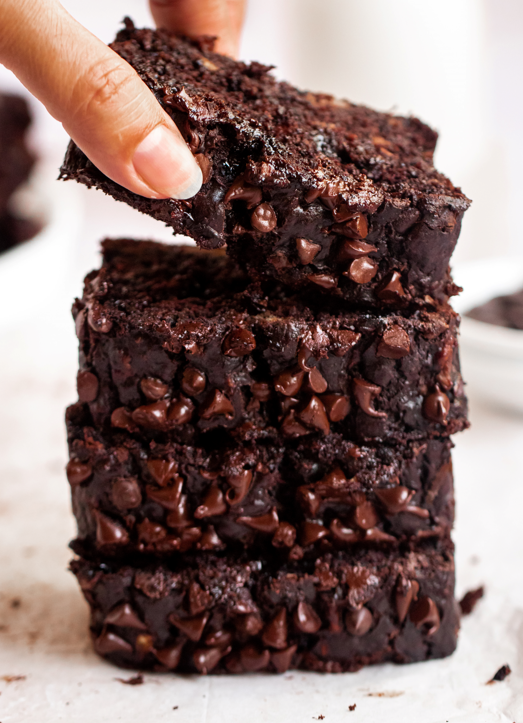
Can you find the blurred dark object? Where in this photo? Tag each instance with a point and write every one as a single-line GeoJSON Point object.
{"type": "Point", "coordinates": [502, 311]}
{"type": "Point", "coordinates": [469, 601]}
{"type": "Point", "coordinates": [16, 163]}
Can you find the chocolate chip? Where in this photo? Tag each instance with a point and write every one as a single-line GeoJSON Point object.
{"type": "Point", "coordinates": [406, 592]}
{"type": "Point", "coordinates": [206, 659]}
{"type": "Point", "coordinates": [241, 190]}
{"type": "Point", "coordinates": [205, 166]}
{"type": "Point", "coordinates": [109, 532]}
{"type": "Point", "coordinates": [362, 270]}
{"type": "Point", "coordinates": [168, 497]}
{"type": "Point", "coordinates": [289, 383]}
{"type": "Point", "coordinates": [343, 340]}
{"type": "Point", "coordinates": [275, 632]}
{"type": "Point", "coordinates": [377, 535]}
{"type": "Point", "coordinates": [126, 494]}
{"type": "Point", "coordinates": [193, 627]}
{"type": "Point", "coordinates": [313, 193]}
{"type": "Point", "coordinates": [234, 665]}
{"type": "Point", "coordinates": [436, 406]}
{"type": "Point", "coordinates": [365, 516]}
{"type": "Point", "coordinates": [291, 427]}
{"type": "Point", "coordinates": [249, 625]}
{"type": "Point", "coordinates": [314, 415]}
{"type": "Point", "coordinates": [180, 411]}
{"type": "Point", "coordinates": [87, 386]}
{"type": "Point", "coordinates": [209, 540]}
{"type": "Point", "coordinates": [261, 391]}
{"type": "Point", "coordinates": [108, 643]}
{"type": "Point", "coordinates": [424, 614]}
{"type": "Point", "coordinates": [77, 472]}
{"type": "Point", "coordinates": [365, 393]}
{"type": "Point", "coordinates": [308, 500]}
{"type": "Point", "coordinates": [98, 320]}
{"type": "Point", "coordinates": [144, 644]}
{"type": "Point", "coordinates": [285, 535]}
{"type": "Point", "coordinates": [151, 416]}
{"type": "Point", "coordinates": [355, 227]}
{"type": "Point", "coordinates": [239, 342]}
{"type": "Point", "coordinates": [304, 354]}
{"type": "Point", "coordinates": [124, 617]}
{"type": "Point", "coordinates": [149, 533]}
{"type": "Point", "coordinates": [395, 499]}
{"type": "Point", "coordinates": [311, 532]}
{"type": "Point", "coordinates": [469, 601]}
{"type": "Point", "coordinates": [217, 405]}
{"type": "Point", "coordinates": [358, 622]}
{"type": "Point", "coordinates": [162, 470]}
{"type": "Point", "coordinates": [239, 487]}
{"type": "Point", "coordinates": [394, 344]}
{"type": "Point", "coordinates": [333, 617]}
{"type": "Point", "coordinates": [391, 290]}
{"type": "Point", "coordinates": [330, 195]}
{"type": "Point", "coordinates": [307, 250]}
{"type": "Point", "coordinates": [180, 517]}
{"type": "Point", "coordinates": [193, 140]}
{"type": "Point", "coordinates": [306, 619]}
{"type": "Point", "coordinates": [122, 419]}
{"type": "Point", "coordinates": [263, 218]}
{"type": "Point", "coordinates": [326, 281]}
{"type": "Point", "coordinates": [282, 659]}
{"type": "Point", "coordinates": [267, 523]}
{"type": "Point", "coordinates": [153, 388]}
{"type": "Point", "coordinates": [343, 534]}
{"type": "Point", "coordinates": [253, 659]}
{"type": "Point", "coordinates": [316, 381]}
{"type": "Point", "coordinates": [337, 406]}
{"type": "Point", "coordinates": [170, 656]}
{"type": "Point", "coordinates": [354, 250]}
{"type": "Point", "coordinates": [213, 504]}
{"type": "Point", "coordinates": [193, 381]}
{"type": "Point", "coordinates": [219, 639]}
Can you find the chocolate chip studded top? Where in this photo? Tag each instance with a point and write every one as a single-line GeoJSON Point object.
{"type": "Point", "coordinates": [177, 343]}
{"type": "Point", "coordinates": [302, 187]}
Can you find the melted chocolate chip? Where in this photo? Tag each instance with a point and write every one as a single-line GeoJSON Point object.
{"type": "Point", "coordinates": [213, 504]}
{"type": "Point", "coordinates": [406, 592]}
{"type": "Point", "coordinates": [263, 218]}
{"type": "Point", "coordinates": [436, 407]}
{"type": "Point", "coordinates": [343, 340]}
{"type": "Point", "coordinates": [358, 622]}
{"type": "Point", "coordinates": [206, 659]}
{"type": "Point", "coordinates": [98, 320]}
{"type": "Point", "coordinates": [249, 625]}
{"type": "Point", "coordinates": [168, 497]}
{"type": "Point", "coordinates": [205, 166]}
{"type": "Point", "coordinates": [395, 499]}
{"type": "Point", "coordinates": [291, 427]}
{"type": "Point", "coordinates": [275, 632]}
{"type": "Point", "coordinates": [149, 533]}
{"type": "Point", "coordinates": [87, 386]}
{"type": "Point", "coordinates": [218, 405]}
{"type": "Point", "coordinates": [122, 419]}
{"type": "Point", "coordinates": [285, 535]}
{"type": "Point", "coordinates": [365, 516]}
{"type": "Point", "coordinates": [239, 487]}
{"type": "Point", "coordinates": [267, 523]}
{"type": "Point", "coordinates": [109, 532]}
{"type": "Point", "coordinates": [162, 470]}
{"type": "Point", "coordinates": [330, 195]}
{"type": "Point", "coordinates": [326, 281]}
{"type": "Point", "coordinates": [343, 534]}
{"type": "Point", "coordinates": [253, 659]}
{"type": "Point", "coordinates": [306, 619]}
{"type": "Point", "coordinates": [219, 639]}
{"type": "Point", "coordinates": [355, 227]}
{"type": "Point", "coordinates": [193, 381]}
{"type": "Point", "coordinates": [424, 614]}
{"type": "Point", "coordinates": [316, 381]}
{"type": "Point", "coordinates": [337, 406]}
{"type": "Point", "coordinates": [362, 270]}
{"type": "Point", "coordinates": [180, 517]}
{"type": "Point", "coordinates": [180, 411]}
{"type": "Point", "coordinates": [391, 290]}
{"type": "Point", "coordinates": [240, 190]}
{"type": "Point", "coordinates": [282, 659]}
{"type": "Point", "coordinates": [307, 250]}
{"type": "Point", "coordinates": [351, 250]}
{"type": "Point", "coordinates": [394, 344]}
{"type": "Point", "coordinates": [209, 540]}
{"type": "Point", "coordinates": [193, 626]}
{"type": "Point", "coordinates": [126, 494]}
{"type": "Point", "coordinates": [78, 472]}
{"type": "Point", "coordinates": [313, 193]}
{"type": "Point", "coordinates": [151, 416]}
{"type": "Point", "coordinates": [153, 388]}
{"type": "Point", "coordinates": [110, 643]}
{"type": "Point", "coordinates": [311, 532]}
{"type": "Point", "coordinates": [289, 383]}
{"type": "Point", "coordinates": [308, 500]}
{"type": "Point", "coordinates": [170, 657]}
{"type": "Point", "coordinates": [314, 415]}
{"type": "Point", "coordinates": [124, 616]}
{"type": "Point", "coordinates": [365, 393]}
{"type": "Point", "coordinates": [239, 342]}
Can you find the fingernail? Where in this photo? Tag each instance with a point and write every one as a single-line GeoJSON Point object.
{"type": "Point", "coordinates": [164, 162]}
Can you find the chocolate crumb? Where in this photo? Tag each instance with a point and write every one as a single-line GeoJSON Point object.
{"type": "Point", "coordinates": [386, 694]}
{"type": "Point", "coordinates": [14, 678]}
{"type": "Point", "coordinates": [352, 707]}
{"type": "Point", "coordinates": [501, 674]}
{"type": "Point", "coordinates": [470, 600]}
{"type": "Point", "coordinates": [320, 717]}
{"type": "Point", "coordinates": [175, 707]}
{"type": "Point", "coordinates": [135, 680]}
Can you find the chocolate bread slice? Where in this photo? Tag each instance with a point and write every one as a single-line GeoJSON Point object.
{"type": "Point", "coordinates": [133, 497]}
{"type": "Point", "coordinates": [211, 614]}
{"type": "Point", "coordinates": [176, 344]}
{"type": "Point", "coordinates": [321, 194]}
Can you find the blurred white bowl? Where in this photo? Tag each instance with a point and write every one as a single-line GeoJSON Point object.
{"type": "Point", "coordinates": [33, 274]}
{"type": "Point", "coordinates": [491, 356]}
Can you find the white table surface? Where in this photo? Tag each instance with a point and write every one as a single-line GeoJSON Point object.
{"type": "Point", "coordinates": [44, 623]}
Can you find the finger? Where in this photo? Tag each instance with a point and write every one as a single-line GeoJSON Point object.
{"type": "Point", "coordinates": [100, 100]}
{"type": "Point", "coordinates": [220, 18]}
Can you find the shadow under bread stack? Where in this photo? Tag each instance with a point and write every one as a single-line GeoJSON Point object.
{"type": "Point", "coordinates": [260, 458]}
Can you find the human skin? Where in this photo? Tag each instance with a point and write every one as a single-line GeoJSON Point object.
{"type": "Point", "coordinates": [100, 100]}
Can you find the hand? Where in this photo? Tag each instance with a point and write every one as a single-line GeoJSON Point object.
{"type": "Point", "coordinates": [100, 100]}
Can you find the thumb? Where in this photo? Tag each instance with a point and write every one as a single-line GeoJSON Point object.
{"type": "Point", "coordinates": [100, 100]}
